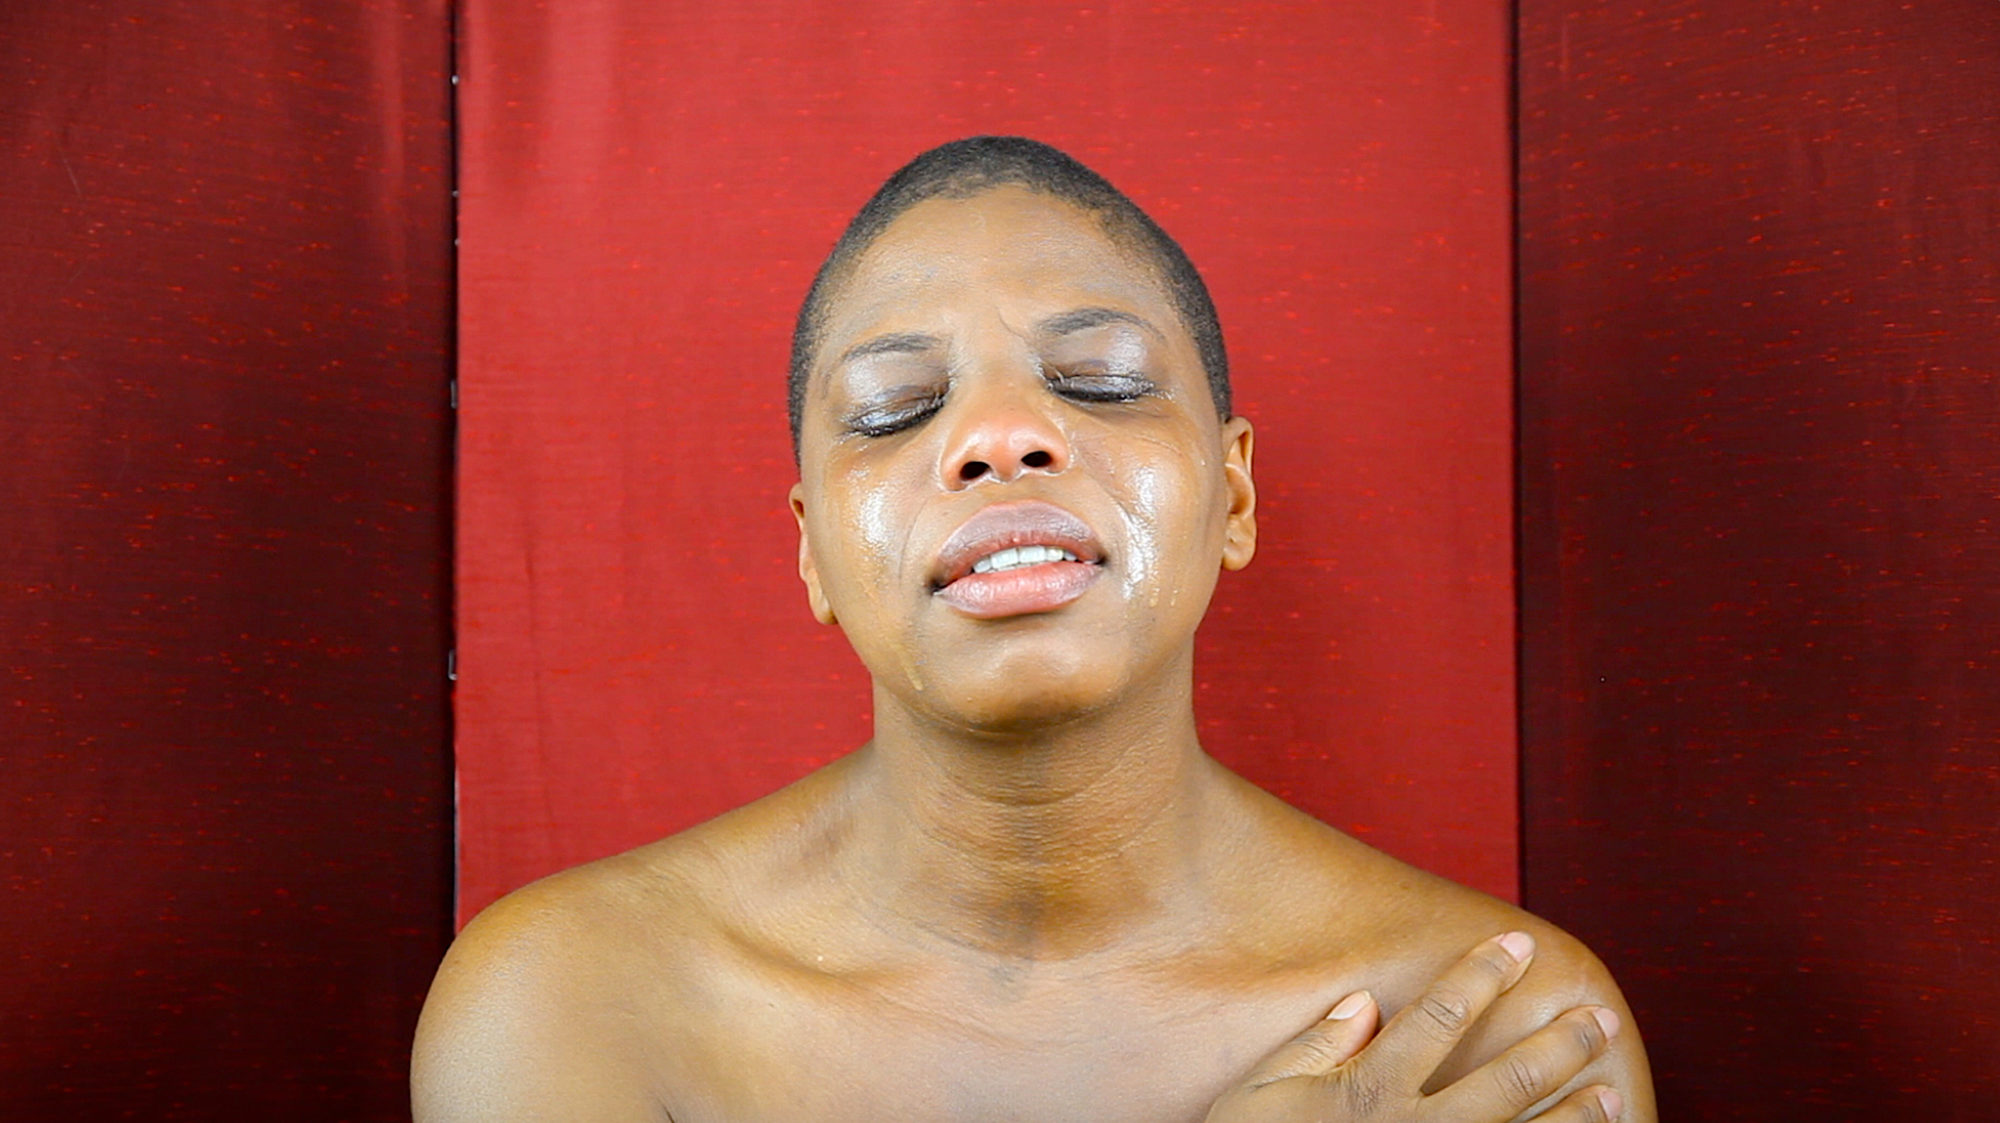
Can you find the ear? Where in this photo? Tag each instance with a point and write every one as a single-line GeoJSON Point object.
{"type": "Point", "coordinates": [809, 569]}
{"type": "Point", "coordinates": [1239, 542]}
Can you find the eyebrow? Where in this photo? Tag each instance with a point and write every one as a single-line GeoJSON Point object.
{"type": "Point", "coordinates": [895, 343]}
{"type": "Point", "coordinates": [1062, 323]}
{"type": "Point", "coordinates": [1083, 319]}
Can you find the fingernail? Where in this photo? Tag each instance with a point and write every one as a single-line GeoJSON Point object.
{"type": "Point", "coordinates": [1606, 1021]}
{"type": "Point", "coordinates": [1351, 1005]}
{"type": "Point", "coordinates": [1520, 945]}
{"type": "Point", "coordinates": [1612, 1103]}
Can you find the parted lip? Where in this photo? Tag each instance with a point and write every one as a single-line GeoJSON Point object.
{"type": "Point", "coordinates": [1020, 522]}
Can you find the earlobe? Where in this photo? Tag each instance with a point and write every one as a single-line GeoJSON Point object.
{"type": "Point", "coordinates": [808, 569]}
{"type": "Point", "coordinates": [1239, 542]}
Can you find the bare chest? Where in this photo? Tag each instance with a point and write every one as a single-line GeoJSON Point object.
{"type": "Point", "coordinates": [1088, 1055]}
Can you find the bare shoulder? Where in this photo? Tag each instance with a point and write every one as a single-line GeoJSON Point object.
{"type": "Point", "coordinates": [532, 1012]}
{"type": "Point", "coordinates": [1435, 921]}
{"type": "Point", "coordinates": [1402, 927]}
{"type": "Point", "coordinates": [1563, 975]}
{"type": "Point", "coordinates": [592, 994]}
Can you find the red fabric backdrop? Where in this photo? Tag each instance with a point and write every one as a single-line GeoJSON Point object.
{"type": "Point", "coordinates": [1760, 324]}
{"type": "Point", "coordinates": [225, 239]}
{"type": "Point", "coordinates": [646, 190]}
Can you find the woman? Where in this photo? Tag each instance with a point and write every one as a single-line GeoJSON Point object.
{"type": "Point", "coordinates": [1031, 895]}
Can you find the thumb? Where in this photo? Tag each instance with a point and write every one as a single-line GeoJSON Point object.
{"type": "Point", "coordinates": [1327, 1045]}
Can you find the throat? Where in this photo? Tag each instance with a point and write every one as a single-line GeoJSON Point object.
{"type": "Point", "coordinates": [1028, 856]}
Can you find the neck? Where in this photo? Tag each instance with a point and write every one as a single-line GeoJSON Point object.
{"type": "Point", "coordinates": [1050, 844]}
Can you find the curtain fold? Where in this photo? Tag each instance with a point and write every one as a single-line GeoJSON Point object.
{"type": "Point", "coordinates": [1759, 412]}
{"type": "Point", "coordinates": [224, 315]}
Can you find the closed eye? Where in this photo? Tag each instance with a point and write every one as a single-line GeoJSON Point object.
{"type": "Point", "coordinates": [890, 418]}
{"type": "Point", "coordinates": [883, 419]}
{"type": "Point", "coordinates": [1101, 386]}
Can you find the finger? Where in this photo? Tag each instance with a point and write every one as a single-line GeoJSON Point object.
{"type": "Point", "coordinates": [1599, 1103]}
{"type": "Point", "coordinates": [1535, 1067]}
{"type": "Point", "coordinates": [1424, 1033]}
{"type": "Point", "coordinates": [1326, 1046]}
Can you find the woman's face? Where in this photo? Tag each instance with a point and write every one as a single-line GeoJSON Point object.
{"type": "Point", "coordinates": [1016, 492]}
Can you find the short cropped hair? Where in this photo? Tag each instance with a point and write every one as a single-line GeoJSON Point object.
{"type": "Point", "coordinates": [965, 168]}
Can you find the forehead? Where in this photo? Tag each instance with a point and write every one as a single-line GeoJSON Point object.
{"type": "Point", "coordinates": [1008, 248]}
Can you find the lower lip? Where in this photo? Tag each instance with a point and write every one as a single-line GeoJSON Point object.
{"type": "Point", "coordinates": [1019, 592]}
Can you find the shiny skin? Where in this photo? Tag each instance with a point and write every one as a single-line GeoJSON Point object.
{"type": "Point", "coordinates": [1031, 895]}
{"type": "Point", "coordinates": [1158, 477]}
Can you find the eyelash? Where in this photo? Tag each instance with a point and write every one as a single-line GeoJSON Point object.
{"type": "Point", "coordinates": [1094, 389]}
{"type": "Point", "coordinates": [1102, 387]}
{"type": "Point", "coordinates": [889, 420]}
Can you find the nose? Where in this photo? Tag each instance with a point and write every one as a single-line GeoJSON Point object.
{"type": "Point", "coordinates": [1001, 428]}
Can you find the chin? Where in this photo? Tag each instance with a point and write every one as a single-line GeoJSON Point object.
{"type": "Point", "coordinates": [1010, 700]}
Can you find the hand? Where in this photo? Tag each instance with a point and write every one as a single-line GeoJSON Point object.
{"type": "Point", "coordinates": [1333, 1073]}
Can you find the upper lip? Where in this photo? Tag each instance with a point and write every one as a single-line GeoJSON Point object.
{"type": "Point", "coordinates": [1021, 522]}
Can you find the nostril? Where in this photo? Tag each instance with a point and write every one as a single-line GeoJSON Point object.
{"type": "Point", "coordinates": [1038, 459]}
{"type": "Point", "coordinates": [972, 470]}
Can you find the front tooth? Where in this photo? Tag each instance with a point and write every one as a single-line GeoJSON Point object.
{"type": "Point", "coordinates": [1020, 557]}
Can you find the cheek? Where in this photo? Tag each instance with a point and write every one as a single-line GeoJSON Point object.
{"type": "Point", "coordinates": [1145, 500]}
{"type": "Point", "coordinates": [861, 534]}
{"type": "Point", "coordinates": [873, 525]}
{"type": "Point", "coordinates": [1170, 531]}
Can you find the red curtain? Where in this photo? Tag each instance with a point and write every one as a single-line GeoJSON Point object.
{"type": "Point", "coordinates": [646, 191]}
{"type": "Point", "coordinates": [1756, 460]}
{"type": "Point", "coordinates": [1760, 316]}
{"type": "Point", "coordinates": [224, 823]}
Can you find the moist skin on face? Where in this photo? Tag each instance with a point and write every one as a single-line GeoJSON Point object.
{"type": "Point", "coordinates": [958, 287]}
